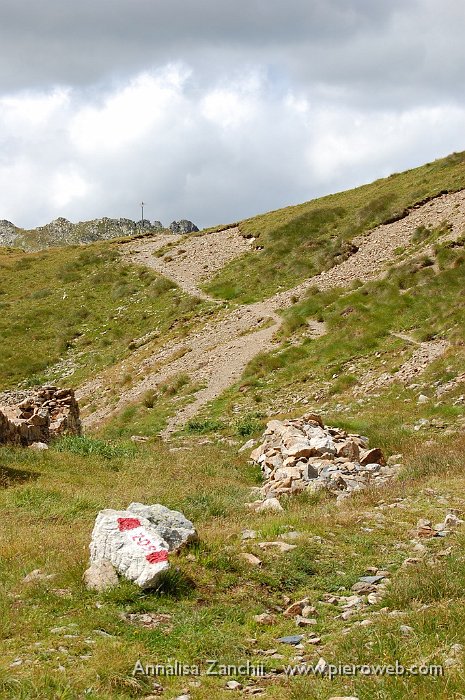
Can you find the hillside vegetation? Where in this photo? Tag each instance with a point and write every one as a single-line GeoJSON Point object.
{"type": "Point", "coordinates": [373, 370]}
{"type": "Point", "coordinates": [298, 242]}
{"type": "Point", "coordinates": [76, 310]}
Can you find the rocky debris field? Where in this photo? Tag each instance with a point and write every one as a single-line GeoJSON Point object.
{"type": "Point", "coordinates": [305, 455]}
{"type": "Point", "coordinates": [36, 417]}
{"type": "Point", "coordinates": [135, 543]}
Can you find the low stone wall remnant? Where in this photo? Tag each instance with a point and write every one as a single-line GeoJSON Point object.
{"type": "Point", "coordinates": [39, 415]}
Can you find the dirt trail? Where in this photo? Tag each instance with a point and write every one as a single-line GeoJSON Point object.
{"type": "Point", "coordinates": [193, 260]}
{"type": "Point", "coordinates": [217, 355]}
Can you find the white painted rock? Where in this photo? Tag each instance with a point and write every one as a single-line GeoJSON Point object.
{"type": "Point", "coordinates": [171, 525]}
{"type": "Point", "coordinates": [131, 544]}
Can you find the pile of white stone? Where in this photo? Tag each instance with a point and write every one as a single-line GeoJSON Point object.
{"type": "Point", "coordinates": [305, 455]}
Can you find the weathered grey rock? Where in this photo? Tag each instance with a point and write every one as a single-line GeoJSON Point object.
{"type": "Point", "coordinates": [349, 449]}
{"type": "Point", "coordinates": [171, 525]}
{"type": "Point", "coordinates": [371, 579]}
{"type": "Point", "coordinates": [373, 456]}
{"type": "Point", "coordinates": [37, 575]}
{"type": "Point", "coordinates": [183, 226]}
{"type": "Point", "coordinates": [131, 544]}
{"type": "Point", "coordinates": [265, 619]}
{"type": "Point", "coordinates": [302, 621]}
{"type": "Point", "coordinates": [269, 504]}
{"type": "Point", "coordinates": [247, 446]}
{"type": "Point", "coordinates": [291, 639]}
{"type": "Point", "coordinates": [301, 449]}
{"type": "Point", "coordinates": [233, 685]}
{"type": "Point", "coordinates": [251, 559]}
{"type": "Point", "coordinates": [100, 576]}
{"type": "Point", "coordinates": [323, 445]}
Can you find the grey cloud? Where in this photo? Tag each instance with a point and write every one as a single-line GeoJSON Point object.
{"type": "Point", "coordinates": [374, 87]}
{"type": "Point", "coordinates": [52, 42]}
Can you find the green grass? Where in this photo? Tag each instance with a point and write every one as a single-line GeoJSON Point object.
{"type": "Point", "coordinates": [211, 593]}
{"type": "Point", "coordinates": [81, 310]}
{"type": "Point", "coordinates": [414, 299]}
{"type": "Point", "coordinates": [298, 242]}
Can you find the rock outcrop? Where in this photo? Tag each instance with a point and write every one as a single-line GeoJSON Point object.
{"type": "Point", "coordinates": [63, 232]}
{"type": "Point", "coordinates": [305, 455]}
{"type": "Point", "coordinates": [183, 226]}
{"type": "Point", "coordinates": [38, 416]}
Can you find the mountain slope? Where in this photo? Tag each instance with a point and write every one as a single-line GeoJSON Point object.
{"type": "Point", "coordinates": [295, 243]}
{"type": "Point", "coordinates": [387, 362]}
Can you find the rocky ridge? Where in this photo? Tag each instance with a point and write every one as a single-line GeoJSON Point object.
{"type": "Point", "coordinates": [63, 232]}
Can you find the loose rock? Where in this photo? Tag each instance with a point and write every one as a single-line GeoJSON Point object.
{"type": "Point", "coordinates": [304, 455]}
{"type": "Point", "coordinates": [100, 576]}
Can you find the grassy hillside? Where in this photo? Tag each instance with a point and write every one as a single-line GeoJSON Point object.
{"type": "Point", "coordinates": [371, 330]}
{"type": "Point", "coordinates": [298, 242]}
{"type": "Point", "coordinates": [62, 642]}
{"type": "Point", "coordinates": [80, 310]}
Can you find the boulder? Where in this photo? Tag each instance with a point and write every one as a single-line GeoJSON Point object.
{"type": "Point", "coordinates": [132, 545]}
{"type": "Point", "coordinates": [175, 529]}
{"type": "Point", "coordinates": [269, 504]}
{"type": "Point", "coordinates": [323, 445]}
{"type": "Point", "coordinates": [348, 449]}
{"type": "Point", "coordinates": [300, 449]}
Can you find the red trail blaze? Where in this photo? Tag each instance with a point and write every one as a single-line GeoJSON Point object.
{"type": "Point", "coordinates": [127, 524]}
{"type": "Point", "coordinates": [157, 557]}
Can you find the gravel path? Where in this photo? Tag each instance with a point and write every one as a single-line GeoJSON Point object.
{"type": "Point", "coordinates": [217, 355]}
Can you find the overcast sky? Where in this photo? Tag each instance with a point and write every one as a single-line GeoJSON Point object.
{"type": "Point", "coordinates": [214, 110]}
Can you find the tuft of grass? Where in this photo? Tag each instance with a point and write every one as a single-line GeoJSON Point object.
{"type": "Point", "coordinates": [202, 426]}
{"type": "Point", "coordinates": [87, 446]}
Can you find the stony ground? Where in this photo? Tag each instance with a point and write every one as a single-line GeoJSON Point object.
{"type": "Point", "coordinates": [216, 356]}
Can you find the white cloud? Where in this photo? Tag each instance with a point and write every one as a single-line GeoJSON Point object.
{"type": "Point", "coordinates": [209, 151]}
{"type": "Point", "coordinates": [227, 108]}
{"type": "Point", "coordinates": [31, 110]}
{"type": "Point", "coordinates": [130, 113]}
{"type": "Point", "coordinates": [66, 187]}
